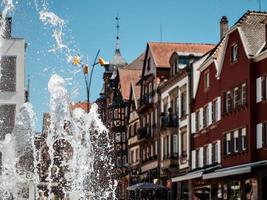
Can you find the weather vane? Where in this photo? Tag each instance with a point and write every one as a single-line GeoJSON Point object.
{"type": "Point", "coordinates": [118, 28]}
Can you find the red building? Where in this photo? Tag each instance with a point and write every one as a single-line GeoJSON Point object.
{"type": "Point", "coordinates": [229, 134]}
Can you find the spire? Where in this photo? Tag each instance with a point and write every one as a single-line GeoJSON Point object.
{"type": "Point", "coordinates": [118, 32]}
{"type": "Point", "coordinates": [118, 60]}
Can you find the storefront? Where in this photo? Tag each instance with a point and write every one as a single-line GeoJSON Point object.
{"type": "Point", "coordinates": [246, 181]}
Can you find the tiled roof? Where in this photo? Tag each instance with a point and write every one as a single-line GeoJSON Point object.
{"type": "Point", "coordinates": [162, 51]}
{"type": "Point", "coordinates": [131, 75]}
{"type": "Point", "coordinates": [253, 30]}
{"type": "Point", "coordinates": [82, 105]}
{"type": "Point", "coordinates": [137, 63]}
{"type": "Point", "coordinates": [128, 77]}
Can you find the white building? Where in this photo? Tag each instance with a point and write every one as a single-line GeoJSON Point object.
{"type": "Point", "coordinates": [12, 81]}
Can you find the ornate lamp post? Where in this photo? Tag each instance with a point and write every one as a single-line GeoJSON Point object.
{"type": "Point", "coordinates": [85, 69]}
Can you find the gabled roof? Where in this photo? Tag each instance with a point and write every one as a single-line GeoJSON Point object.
{"type": "Point", "coordinates": [162, 51]}
{"type": "Point", "coordinates": [252, 30]}
{"type": "Point", "coordinates": [130, 75]}
{"type": "Point", "coordinates": [252, 33]}
{"type": "Point", "coordinates": [137, 63]}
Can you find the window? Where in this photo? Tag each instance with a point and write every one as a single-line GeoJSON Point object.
{"type": "Point", "coordinates": [152, 150]}
{"type": "Point", "coordinates": [165, 148]}
{"type": "Point", "coordinates": [118, 161]}
{"type": "Point", "coordinates": [197, 158]}
{"type": "Point", "coordinates": [175, 144]}
{"type": "Point", "coordinates": [7, 119]}
{"type": "Point", "coordinates": [236, 141]}
{"type": "Point", "coordinates": [197, 121]}
{"type": "Point", "coordinates": [205, 155]}
{"type": "Point", "coordinates": [132, 156]}
{"type": "Point", "coordinates": [244, 139]}
{"type": "Point", "coordinates": [183, 60]}
{"type": "Point", "coordinates": [137, 155]}
{"type": "Point", "coordinates": [216, 152]}
{"type": "Point", "coordinates": [184, 142]}
{"type": "Point", "coordinates": [206, 79]}
{"type": "Point", "coordinates": [264, 87]}
{"type": "Point", "coordinates": [264, 134]}
{"type": "Point", "coordinates": [8, 73]}
{"type": "Point", "coordinates": [183, 104]}
{"type": "Point", "coordinates": [144, 154]}
{"type": "Point", "coordinates": [229, 101]}
{"type": "Point", "coordinates": [123, 137]}
{"type": "Point", "coordinates": [236, 97]}
{"type": "Point", "coordinates": [134, 129]}
{"type": "Point", "coordinates": [228, 143]}
{"type": "Point", "coordinates": [244, 94]}
{"type": "Point", "coordinates": [205, 116]}
{"type": "Point", "coordinates": [175, 67]}
{"type": "Point", "coordinates": [124, 160]}
{"type": "Point", "coordinates": [234, 53]}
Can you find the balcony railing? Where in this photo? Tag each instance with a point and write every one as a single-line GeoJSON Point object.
{"type": "Point", "coordinates": [169, 120]}
{"type": "Point", "coordinates": [147, 98]}
{"type": "Point", "coordinates": [144, 132]}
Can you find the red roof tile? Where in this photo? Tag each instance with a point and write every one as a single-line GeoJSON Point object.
{"type": "Point", "coordinates": [128, 77]}
{"type": "Point", "coordinates": [162, 51]}
{"type": "Point", "coordinates": [82, 105]}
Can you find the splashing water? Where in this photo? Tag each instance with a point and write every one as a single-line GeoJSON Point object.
{"type": "Point", "coordinates": [73, 160]}
{"type": "Point", "coordinates": [77, 161]}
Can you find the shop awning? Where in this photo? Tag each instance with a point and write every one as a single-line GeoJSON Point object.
{"type": "Point", "coordinates": [191, 175]}
{"type": "Point", "coordinates": [146, 186]}
{"type": "Point", "coordinates": [240, 169]}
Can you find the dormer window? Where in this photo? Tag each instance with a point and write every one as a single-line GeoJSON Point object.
{"type": "Point", "coordinates": [174, 67]}
{"type": "Point", "coordinates": [234, 52]}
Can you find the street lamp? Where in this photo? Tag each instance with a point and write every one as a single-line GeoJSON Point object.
{"type": "Point", "coordinates": [85, 70]}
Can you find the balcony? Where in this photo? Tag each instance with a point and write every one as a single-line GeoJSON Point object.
{"type": "Point", "coordinates": [169, 120]}
{"type": "Point", "coordinates": [144, 132]}
{"type": "Point", "coordinates": [170, 161]}
{"type": "Point", "coordinates": [146, 101]}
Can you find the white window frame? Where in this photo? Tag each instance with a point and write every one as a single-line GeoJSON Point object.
{"type": "Point", "coordinates": [228, 143]}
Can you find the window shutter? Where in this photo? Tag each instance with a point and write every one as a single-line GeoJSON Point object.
{"type": "Point", "coordinates": [258, 89]}
{"type": "Point", "coordinates": [193, 123]}
{"type": "Point", "coordinates": [210, 154]}
{"type": "Point", "coordinates": [219, 108]}
{"type": "Point", "coordinates": [201, 151]}
{"type": "Point", "coordinates": [219, 150]}
{"type": "Point", "coordinates": [201, 118]}
{"type": "Point", "coordinates": [193, 159]}
{"type": "Point", "coordinates": [259, 136]}
{"type": "Point", "coordinates": [210, 113]}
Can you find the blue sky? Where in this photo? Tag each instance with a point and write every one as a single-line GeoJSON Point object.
{"type": "Point", "coordinates": [90, 25]}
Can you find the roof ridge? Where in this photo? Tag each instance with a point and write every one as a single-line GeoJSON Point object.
{"type": "Point", "coordinates": [249, 12]}
{"type": "Point", "coordinates": [151, 42]}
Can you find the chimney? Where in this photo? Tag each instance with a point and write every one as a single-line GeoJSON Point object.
{"type": "Point", "coordinates": [6, 32]}
{"type": "Point", "coordinates": [223, 26]}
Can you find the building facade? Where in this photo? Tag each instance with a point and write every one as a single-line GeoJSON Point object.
{"type": "Point", "coordinates": [196, 119]}
{"type": "Point", "coordinates": [227, 134]}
